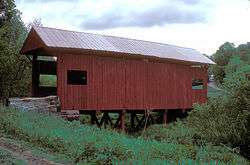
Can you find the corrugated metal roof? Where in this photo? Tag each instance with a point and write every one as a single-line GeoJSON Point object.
{"type": "Point", "coordinates": [70, 39]}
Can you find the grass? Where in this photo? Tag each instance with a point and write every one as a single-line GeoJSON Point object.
{"type": "Point", "coordinates": [212, 92]}
{"type": "Point", "coordinates": [47, 80]}
{"type": "Point", "coordinates": [87, 144]}
{"type": "Point", "coordinates": [37, 150]}
{"type": "Point", "coordinates": [197, 87]}
{"type": "Point", "coordinates": [7, 158]}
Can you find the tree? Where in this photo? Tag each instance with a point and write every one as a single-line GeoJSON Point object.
{"type": "Point", "coordinates": [35, 22]}
{"type": "Point", "coordinates": [221, 58]}
{"type": "Point", "coordinates": [14, 68]}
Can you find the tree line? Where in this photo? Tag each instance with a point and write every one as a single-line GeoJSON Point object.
{"type": "Point", "coordinates": [227, 58]}
{"type": "Point", "coordinates": [15, 69]}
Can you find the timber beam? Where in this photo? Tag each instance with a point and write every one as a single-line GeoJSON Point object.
{"type": "Point", "coordinates": [138, 120]}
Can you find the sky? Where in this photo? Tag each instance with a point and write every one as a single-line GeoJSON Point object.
{"type": "Point", "coordinates": [200, 24]}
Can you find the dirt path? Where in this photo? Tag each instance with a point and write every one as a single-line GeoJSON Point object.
{"type": "Point", "coordinates": [23, 154]}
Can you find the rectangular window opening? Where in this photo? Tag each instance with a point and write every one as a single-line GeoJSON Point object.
{"type": "Point", "coordinates": [76, 77]}
{"type": "Point", "coordinates": [197, 84]}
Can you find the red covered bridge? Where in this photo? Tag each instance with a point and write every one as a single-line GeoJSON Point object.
{"type": "Point", "coordinates": [113, 74]}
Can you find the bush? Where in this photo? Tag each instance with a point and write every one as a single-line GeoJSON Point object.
{"type": "Point", "coordinates": [225, 119]}
{"type": "Point", "coordinates": [217, 124]}
{"type": "Point", "coordinates": [176, 132]}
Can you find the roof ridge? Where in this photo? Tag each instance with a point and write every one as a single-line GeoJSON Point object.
{"type": "Point", "coordinates": [60, 38]}
{"type": "Point", "coordinates": [104, 35]}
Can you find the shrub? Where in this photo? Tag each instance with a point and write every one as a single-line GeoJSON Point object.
{"type": "Point", "coordinates": [225, 119]}
{"type": "Point", "coordinates": [176, 132]}
{"type": "Point", "coordinates": [215, 123]}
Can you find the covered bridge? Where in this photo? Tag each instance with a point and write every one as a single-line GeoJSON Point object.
{"type": "Point", "coordinates": [113, 74]}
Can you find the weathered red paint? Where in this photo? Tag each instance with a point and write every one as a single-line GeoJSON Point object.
{"type": "Point", "coordinates": [126, 83]}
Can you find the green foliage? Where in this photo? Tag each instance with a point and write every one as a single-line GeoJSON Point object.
{"type": "Point", "coordinates": [47, 80]}
{"type": "Point", "coordinates": [176, 132]}
{"type": "Point", "coordinates": [236, 72]}
{"type": "Point", "coordinates": [14, 68]}
{"type": "Point", "coordinates": [217, 124]}
{"type": "Point", "coordinates": [225, 118]}
{"type": "Point", "coordinates": [87, 144]}
{"type": "Point", "coordinates": [213, 92]}
{"type": "Point", "coordinates": [223, 58]}
{"type": "Point", "coordinates": [223, 121]}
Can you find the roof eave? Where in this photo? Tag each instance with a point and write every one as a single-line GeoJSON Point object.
{"type": "Point", "coordinates": [27, 48]}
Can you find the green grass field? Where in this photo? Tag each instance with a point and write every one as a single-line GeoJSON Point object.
{"type": "Point", "coordinates": [83, 144]}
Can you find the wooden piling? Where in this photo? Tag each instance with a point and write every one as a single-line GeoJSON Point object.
{"type": "Point", "coordinates": [165, 117]}
{"type": "Point", "coordinates": [122, 120]}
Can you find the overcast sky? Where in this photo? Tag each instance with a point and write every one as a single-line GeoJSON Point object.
{"type": "Point", "coordinates": [200, 24]}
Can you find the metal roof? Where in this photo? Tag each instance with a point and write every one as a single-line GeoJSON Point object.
{"type": "Point", "coordinates": [70, 39]}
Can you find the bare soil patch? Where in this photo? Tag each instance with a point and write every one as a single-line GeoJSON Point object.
{"type": "Point", "coordinates": [24, 154]}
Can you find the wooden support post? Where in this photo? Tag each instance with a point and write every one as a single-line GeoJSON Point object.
{"type": "Point", "coordinates": [165, 117]}
{"type": "Point", "coordinates": [151, 119]}
{"type": "Point", "coordinates": [35, 77]}
{"type": "Point", "coordinates": [116, 125]}
{"type": "Point", "coordinates": [140, 122]}
{"type": "Point", "coordinates": [102, 119]}
{"type": "Point", "coordinates": [109, 120]}
{"type": "Point", "coordinates": [132, 120]}
{"type": "Point", "coordinates": [93, 117]}
{"type": "Point", "coordinates": [106, 120]}
{"type": "Point", "coordinates": [122, 120]}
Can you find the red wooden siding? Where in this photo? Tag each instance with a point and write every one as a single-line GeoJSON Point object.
{"type": "Point", "coordinates": [117, 83]}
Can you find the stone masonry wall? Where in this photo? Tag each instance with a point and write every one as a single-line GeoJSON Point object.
{"type": "Point", "coordinates": [41, 104]}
